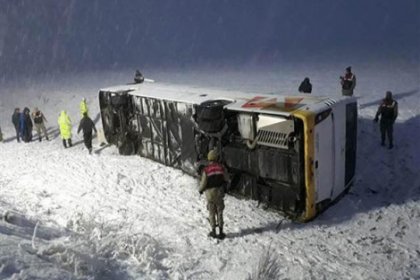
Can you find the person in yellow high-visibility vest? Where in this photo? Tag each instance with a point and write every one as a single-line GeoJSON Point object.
{"type": "Point", "coordinates": [65, 125]}
{"type": "Point", "coordinates": [83, 107]}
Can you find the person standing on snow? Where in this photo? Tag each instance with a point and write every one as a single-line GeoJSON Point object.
{"type": "Point", "coordinates": [25, 124]}
{"type": "Point", "coordinates": [16, 122]}
{"type": "Point", "coordinates": [39, 119]}
{"type": "Point", "coordinates": [83, 107]}
{"type": "Point", "coordinates": [388, 110]}
{"type": "Point", "coordinates": [213, 179]}
{"type": "Point", "coordinates": [87, 125]}
{"type": "Point", "coordinates": [138, 77]}
{"type": "Point", "coordinates": [305, 86]}
{"type": "Point", "coordinates": [348, 82]}
{"type": "Point", "coordinates": [64, 123]}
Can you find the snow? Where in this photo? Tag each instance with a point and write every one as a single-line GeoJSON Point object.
{"type": "Point", "coordinates": [70, 215]}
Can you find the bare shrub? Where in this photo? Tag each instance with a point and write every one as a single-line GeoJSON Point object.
{"type": "Point", "coordinates": [268, 267]}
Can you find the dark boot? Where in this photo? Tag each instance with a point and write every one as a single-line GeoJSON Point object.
{"type": "Point", "coordinates": [40, 139]}
{"type": "Point", "coordinates": [212, 233]}
{"type": "Point", "coordinates": [70, 143]}
{"type": "Point", "coordinates": [221, 235]}
{"type": "Point", "coordinates": [90, 151]}
{"type": "Point", "coordinates": [64, 143]}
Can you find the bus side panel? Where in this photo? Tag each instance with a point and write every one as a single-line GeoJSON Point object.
{"type": "Point", "coordinates": [188, 156]}
{"type": "Point", "coordinates": [167, 132]}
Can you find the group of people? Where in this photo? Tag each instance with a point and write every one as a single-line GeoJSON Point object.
{"type": "Point", "coordinates": [348, 83]}
{"type": "Point", "coordinates": [23, 123]}
{"type": "Point", "coordinates": [387, 111]}
{"type": "Point", "coordinates": [86, 124]}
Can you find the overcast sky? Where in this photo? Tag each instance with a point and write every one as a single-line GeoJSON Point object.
{"type": "Point", "coordinates": [49, 35]}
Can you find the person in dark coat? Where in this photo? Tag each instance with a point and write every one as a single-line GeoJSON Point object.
{"type": "Point", "coordinates": [87, 125]}
{"type": "Point", "coordinates": [16, 123]}
{"type": "Point", "coordinates": [348, 82]}
{"type": "Point", "coordinates": [388, 111]}
{"type": "Point", "coordinates": [26, 125]}
{"type": "Point", "coordinates": [305, 86]}
{"type": "Point", "coordinates": [138, 77]}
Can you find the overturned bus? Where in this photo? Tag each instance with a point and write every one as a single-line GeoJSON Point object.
{"type": "Point", "coordinates": [296, 154]}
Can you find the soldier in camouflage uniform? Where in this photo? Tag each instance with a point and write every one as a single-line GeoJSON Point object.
{"type": "Point", "coordinates": [39, 120]}
{"type": "Point", "coordinates": [348, 82]}
{"type": "Point", "coordinates": [388, 111]}
{"type": "Point", "coordinates": [213, 179]}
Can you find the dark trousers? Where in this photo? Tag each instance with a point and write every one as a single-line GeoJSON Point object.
{"type": "Point", "coordinates": [27, 134]}
{"type": "Point", "coordinates": [87, 138]}
{"type": "Point", "coordinates": [65, 142]}
{"type": "Point", "coordinates": [347, 92]}
{"type": "Point", "coordinates": [387, 128]}
{"type": "Point", "coordinates": [17, 133]}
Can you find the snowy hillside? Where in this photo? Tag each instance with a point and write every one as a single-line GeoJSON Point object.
{"type": "Point", "coordinates": [70, 215]}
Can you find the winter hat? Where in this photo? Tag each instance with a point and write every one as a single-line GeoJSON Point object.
{"type": "Point", "coordinates": [348, 68]}
{"type": "Point", "coordinates": [388, 95]}
{"type": "Point", "coordinates": [212, 155]}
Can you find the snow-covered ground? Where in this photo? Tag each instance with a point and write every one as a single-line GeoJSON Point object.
{"type": "Point", "coordinates": [70, 215]}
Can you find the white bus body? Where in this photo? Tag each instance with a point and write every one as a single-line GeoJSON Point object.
{"type": "Point", "coordinates": [293, 153]}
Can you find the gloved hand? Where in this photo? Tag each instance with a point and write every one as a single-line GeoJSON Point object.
{"type": "Point", "coordinates": [201, 192]}
{"type": "Point", "coordinates": [375, 119]}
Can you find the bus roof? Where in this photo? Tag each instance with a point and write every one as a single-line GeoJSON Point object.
{"type": "Point", "coordinates": [269, 103]}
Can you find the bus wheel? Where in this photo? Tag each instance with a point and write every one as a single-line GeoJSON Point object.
{"type": "Point", "coordinates": [126, 148]}
{"type": "Point", "coordinates": [210, 116]}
